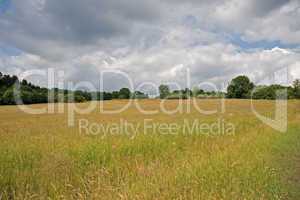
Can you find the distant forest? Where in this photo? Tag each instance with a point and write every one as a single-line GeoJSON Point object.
{"type": "Point", "coordinates": [32, 94]}
{"type": "Point", "coordinates": [239, 88]}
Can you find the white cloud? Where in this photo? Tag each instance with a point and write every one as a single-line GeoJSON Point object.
{"type": "Point", "coordinates": [156, 42]}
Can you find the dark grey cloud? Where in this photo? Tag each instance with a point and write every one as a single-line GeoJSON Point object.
{"type": "Point", "coordinates": [85, 21]}
{"type": "Point", "coordinates": [72, 23]}
{"type": "Point", "coordinates": [261, 8]}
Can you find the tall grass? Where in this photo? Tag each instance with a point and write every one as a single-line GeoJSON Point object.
{"type": "Point", "coordinates": [42, 158]}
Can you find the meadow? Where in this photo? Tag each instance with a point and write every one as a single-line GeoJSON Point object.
{"type": "Point", "coordinates": [41, 157]}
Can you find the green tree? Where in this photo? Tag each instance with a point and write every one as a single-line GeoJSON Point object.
{"type": "Point", "coordinates": [115, 95]}
{"type": "Point", "coordinates": [271, 92]}
{"type": "Point", "coordinates": [197, 91]}
{"type": "Point", "coordinates": [140, 95]}
{"type": "Point", "coordinates": [8, 97]}
{"type": "Point", "coordinates": [187, 93]}
{"type": "Point", "coordinates": [240, 88]}
{"type": "Point", "coordinates": [124, 93]}
{"type": "Point", "coordinates": [296, 87]}
{"type": "Point", "coordinates": [164, 91]}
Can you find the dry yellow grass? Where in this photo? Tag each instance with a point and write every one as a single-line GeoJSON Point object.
{"type": "Point", "coordinates": [42, 157]}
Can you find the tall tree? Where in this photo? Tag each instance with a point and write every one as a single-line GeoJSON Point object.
{"type": "Point", "coordinates": [124, 93]}
{"type": "Point", "coordinates": [164, 91]}
{"type": "Point", "coordinates": [240, 88]}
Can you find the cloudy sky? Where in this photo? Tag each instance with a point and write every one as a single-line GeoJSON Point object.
{"type": "Point", "coordinates": [154, 41]}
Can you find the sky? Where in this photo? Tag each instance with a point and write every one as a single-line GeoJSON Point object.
{"type": "Point", "coordinates": [154, 41]}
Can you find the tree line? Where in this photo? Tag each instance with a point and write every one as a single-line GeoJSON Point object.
{"type": "Point", "coordinates": [14, 91]}
{"type": "Point", "coordinates": [239, 88]}
{"type": "Point", "coordinates": [166, 93]}
{"type": "Point", "coordinates": [242, 88]}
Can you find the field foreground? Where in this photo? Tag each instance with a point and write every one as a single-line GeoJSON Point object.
{"type": "Point", "coordinates": [41, 157]}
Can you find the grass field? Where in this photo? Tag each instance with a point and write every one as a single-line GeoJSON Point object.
{"type": "Point", "coordinates": [41, 157]}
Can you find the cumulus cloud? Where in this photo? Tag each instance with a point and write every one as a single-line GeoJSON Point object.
{"type": "Point", "coordinates": [156, 41]}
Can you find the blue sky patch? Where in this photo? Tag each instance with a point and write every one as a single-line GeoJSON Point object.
{"type": "Point", "coordinates": [6, 50]}
{"type": "Point", "coordinates": [262, 44]}
{"type": "Point", "coordinates": [4, 5]}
